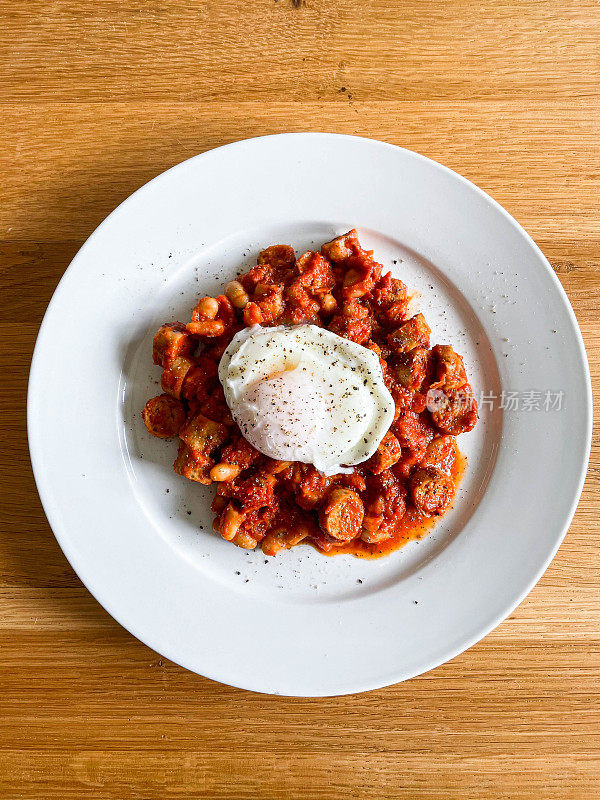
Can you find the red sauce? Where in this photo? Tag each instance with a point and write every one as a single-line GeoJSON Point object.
{"type": "Point", "coordinates": [413, 526]}
{"type": "Point", "coordinates": [401, 491]}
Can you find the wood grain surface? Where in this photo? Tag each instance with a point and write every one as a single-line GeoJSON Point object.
{"type": "Point", "coordinates": [98, 96]}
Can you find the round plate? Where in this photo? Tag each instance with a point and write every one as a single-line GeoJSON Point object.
{"type": "Point", "coordinates": [140, 537]}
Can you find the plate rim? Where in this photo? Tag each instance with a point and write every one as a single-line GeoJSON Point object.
{"type": "Point", "coordinates": [62, 535]}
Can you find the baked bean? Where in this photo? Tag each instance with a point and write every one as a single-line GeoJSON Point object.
{"type": "Point", "coordinates": [371, 524]}
{"type": "Point", "coordinates": [252, 314]}
{"type": "Point", "coordinates": [244, 540]}
{"type": "Point", "coordinates": [206, 307]}
{"type": "Point", "coordinates": [280, 539]}
{"type": "Point", "coordinates": [280, 466]}
{"type": "Point", "coordinates": [206, 327]}
{"type": "Point", "coordinates": [328, 303]}
{"type": "Point", "coordinates": [224, 472]}
{"type": "Point", "coordinates": [237, 294]}
{"type": "Point", "coordinates": [272, 544]}
{"type": "Point", "coordinates": [301, 533]}
{"type": "Point", "coordinates": [230, 522]}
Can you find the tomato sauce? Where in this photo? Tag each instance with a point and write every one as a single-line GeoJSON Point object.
{"type": "Point", "coordinates": [413, 525]}
{"type": "Point", "coordinates": [394, 497]}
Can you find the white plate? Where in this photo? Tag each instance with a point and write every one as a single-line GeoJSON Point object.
{"type": "Point", "coordinates": [305, 624]}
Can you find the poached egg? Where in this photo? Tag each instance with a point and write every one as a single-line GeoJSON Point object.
{"type": "Point", "coordinates": [303, 393]}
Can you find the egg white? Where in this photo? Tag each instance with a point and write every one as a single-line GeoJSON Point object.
{"type": "Point", "coordinates": [303, 393]}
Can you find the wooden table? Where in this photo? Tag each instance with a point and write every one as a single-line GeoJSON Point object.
{"type": "Point", "coordinates": [98, 96]}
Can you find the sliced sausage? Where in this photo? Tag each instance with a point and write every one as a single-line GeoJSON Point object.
{"type": "Point", "coordinates": [386, 455]}
{"type": "Point", "coordinates": [278, 255]}
{"type": "Point", "coordinates": [164, 416]}
{"type": "Point", "coordinates": [172, 341]}
{"type": "Point", "coordinates": [413, 333]}
{"type": "Point", "coordinates": [455, 410]}
{"type": "Point", "coordinates": [342, 514]}
{"type": "Point", "coordinates": [174, 375]}
{"type": "Point", "coordinates": [203, 435]}
{"type": "Point", "coordinates": [431, 490]}
{"type": "Point", "coordinates": [192, 466]}
{"type": "Point", "coordinates": [342, 247]}
{"type": "Point", "coordinates": [449, 368]}
{"type": "Point", "coordinates": [410, 370]}
{"type": "Point", "coordinates": [441, 454]}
